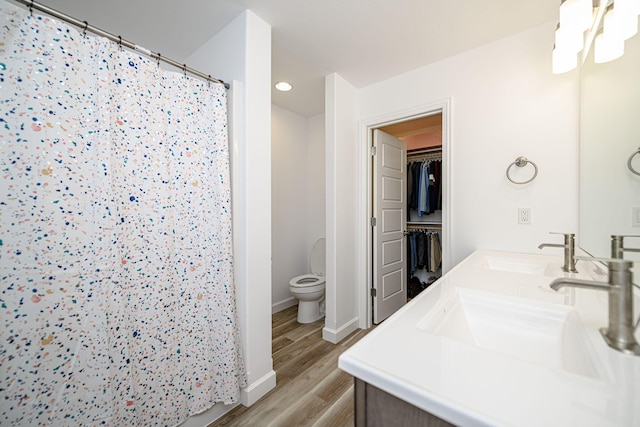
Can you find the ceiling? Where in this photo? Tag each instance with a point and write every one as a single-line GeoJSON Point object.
{"type": "Point", "coordinates": [365, 41]}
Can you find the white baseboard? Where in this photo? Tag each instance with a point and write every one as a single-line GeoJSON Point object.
{"type": "Point", "coordinates": [283, 305]}
{"type": "Point", "coordinates": [210, 415]}
{"type": "Point", "coordinates": [253, 392]}
{"type": "Point", "coordinates": [336, 335]}
{"type": "Point", "coordinates": [248, 396]}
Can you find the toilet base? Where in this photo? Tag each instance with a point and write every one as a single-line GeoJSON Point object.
{"type": "Point", "coordinates": [309, 311]}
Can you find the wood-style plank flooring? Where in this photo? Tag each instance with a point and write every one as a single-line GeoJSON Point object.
{"type": "Point", "coordinates": [310, 389]}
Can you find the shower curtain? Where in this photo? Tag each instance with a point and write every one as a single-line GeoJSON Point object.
{"type": "Point", "coordinates": [117, 301]}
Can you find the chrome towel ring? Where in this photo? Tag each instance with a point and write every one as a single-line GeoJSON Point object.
{"type": "Point", "coordinates": [629, 165]}
{"type": "Point", "coordinates": [521, 162]}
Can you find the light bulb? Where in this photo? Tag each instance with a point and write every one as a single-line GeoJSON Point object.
{"type": "Point", "coordinates": [283, 86]}
{"type": "Point", "coordinates": [563, 61]}
{"type": "Point", "coordinates": [576, 14]}
{"type": "Point", "coordinates": [567, 40]}
{"type": "Point", "coordinates": [626, 17]}
{"type": "Point", "coordinates": [607, 48]}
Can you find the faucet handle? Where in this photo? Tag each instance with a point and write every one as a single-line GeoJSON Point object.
{"type": "Point", "coordinates": [617, 245]}
{"type": "Point", "coordinates": [569, 238]}
{"type": "Point", "coordinates": [625, 264]}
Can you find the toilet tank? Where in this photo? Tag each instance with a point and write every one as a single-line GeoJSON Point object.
{"type": "Point", "coordinates": [318, 257]}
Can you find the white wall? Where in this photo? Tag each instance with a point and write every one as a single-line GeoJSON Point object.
{"type": "Point", "coordinates": [241, 54]}
{"type": "Point", "coordinates": [298, 203]}
{"type": "Point", "coordinates": [505, 103]}
{"type": "Point", "coordinates": [316, 203]}
{"type": "Point", "coordinates": [343, 176]}
{"type": "Point", "coordinates": [289, 207]}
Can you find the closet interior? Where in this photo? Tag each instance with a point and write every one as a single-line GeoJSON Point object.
{"type": "Point", "coordinates": [423, 137]}
{"type": "Point", "coordinates": [424, 219]}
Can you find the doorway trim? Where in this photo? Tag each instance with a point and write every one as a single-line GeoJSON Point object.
{"type": "Point", "coordinates": [365, 209]}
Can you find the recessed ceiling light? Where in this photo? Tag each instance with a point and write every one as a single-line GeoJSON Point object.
{"type": "Point", "coordinates": [283, 86]}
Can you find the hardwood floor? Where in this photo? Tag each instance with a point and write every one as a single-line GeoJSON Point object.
{"type": "Point", "coordinates": [310, 389]}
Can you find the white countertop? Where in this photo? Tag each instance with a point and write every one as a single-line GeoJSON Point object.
{"type": "Point", "coordinates": [467, 384]}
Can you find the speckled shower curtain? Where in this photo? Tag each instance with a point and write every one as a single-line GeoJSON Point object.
{"type": "Point", "coordinates": [117, 300]}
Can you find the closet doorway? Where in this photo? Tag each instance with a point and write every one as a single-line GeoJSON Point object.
{"type": "Point", "coordinates": [409, 209]}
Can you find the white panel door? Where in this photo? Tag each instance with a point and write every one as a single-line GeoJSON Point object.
{"type": "Point", "coordinates": [389, 247]}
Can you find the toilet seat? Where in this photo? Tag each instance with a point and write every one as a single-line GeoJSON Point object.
{"type": "Point", "coordinates": [309, 288]}
{"type": "Point", "coordinates": [307, 280]}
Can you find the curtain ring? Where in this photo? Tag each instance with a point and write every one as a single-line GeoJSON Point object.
{"type": "Point", "coordinates": [31, 8]}
{"type": "Point", "coordinates": [84, 31]}
{"type": "Point", "coordinates": [158, 59]}
{"type": "Point", "coordinates": [630, 166]}
{"type": "Point", "coordinates": [522, 162]}
{"type": "Point", "coordinates": [184, 70]}
{"type": "Point", "coordinates": [120, 42]}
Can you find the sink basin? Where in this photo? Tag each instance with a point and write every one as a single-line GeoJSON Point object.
{"type": "Point", "coordinates": [515, 266]}
{"type": "Point", "coordinates": [530, 266]}
{"type": "Point", "coordinates": [549, 335]}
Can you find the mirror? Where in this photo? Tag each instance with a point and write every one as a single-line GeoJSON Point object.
{"type": "Point", "coordinates": [609, 135]}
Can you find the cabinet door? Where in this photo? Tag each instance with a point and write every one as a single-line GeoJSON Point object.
{"type": "Point", "coordinates": [377, 408]}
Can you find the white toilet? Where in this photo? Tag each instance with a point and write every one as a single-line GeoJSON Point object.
{"type": "Point", "coordinates": [309, 288]}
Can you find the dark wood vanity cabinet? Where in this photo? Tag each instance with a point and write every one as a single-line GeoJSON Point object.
{"type": "Point", "coordinates": [377, 408]}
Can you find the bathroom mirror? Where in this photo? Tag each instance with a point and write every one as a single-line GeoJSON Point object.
{"type": "Point", "coordinates": [609, 135]}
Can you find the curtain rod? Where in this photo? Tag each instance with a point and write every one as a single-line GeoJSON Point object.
{"type": "Point", "coordinates": [84, 25]}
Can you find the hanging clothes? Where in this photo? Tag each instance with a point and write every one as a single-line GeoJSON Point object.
{"type": "Point", "coordinates": [423, 196]}
{"type": "Point", "coordinates": [424, 251]}
{"type": "Point", "coordinates": [413, 258]}
{"type": "Point", "coordinates": [438, 183]}
{"type": "Point", "coordinates": [435, 252]}
{"type": "Point", "coordinates": [424, 187]}
{"type": "Point", "coordinates": [432, 200]}
{"type": "Point", "coordinates": [415, 178]}
{"type": "Point", "coordinates": [411, 189]}
{"type": "Point", "coordinates": [424, 254]}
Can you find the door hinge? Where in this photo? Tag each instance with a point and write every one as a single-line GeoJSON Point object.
{"type": "Point", "coordinates": [373, 221]}
{"type": "Point", "coordinates": [373, 150]}
{"type": "Point", "coordinates": [373, 292]}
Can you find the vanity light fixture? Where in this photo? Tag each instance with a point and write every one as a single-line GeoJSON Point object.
{"type": "Point", "coordinates": [609, 44]}
{"type": "Point", "coordinates": [563, 61]}
{"type": "Point", "coordinates": [571, 41]}
{"type": "Point", "coordinates": [626, 16]}
{"type": "Point", "coordinates": [283, 86]}
{"type": "Point", "coordinates": [576, 15]}
{"type": "Point", "coordinates": [579, 28]}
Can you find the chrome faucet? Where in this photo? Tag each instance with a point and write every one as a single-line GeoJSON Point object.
{"type": "Point", "coordinates": [617, 246]}
{"type": "Point", "coordinates": [619, 333]}
{"type": "Point", "coordinates": [569, 251]}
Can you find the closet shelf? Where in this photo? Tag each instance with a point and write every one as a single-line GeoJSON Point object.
{"type": "Point", "coordinates": [437, 149]}
{"type": "Point", "coordinates": [428, 225]}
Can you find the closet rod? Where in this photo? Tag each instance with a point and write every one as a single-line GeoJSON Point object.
{"type": "Point", "coordinates": [84, 25]}
{"type": "Point", "coordinates": [422, 157]}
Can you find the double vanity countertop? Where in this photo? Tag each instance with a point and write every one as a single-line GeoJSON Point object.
{"type": "Point", "coordinates": [491, 344]}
